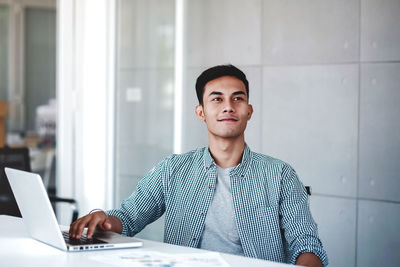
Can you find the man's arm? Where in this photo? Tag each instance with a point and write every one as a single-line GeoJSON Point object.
{"type": "Point", "coordinates": [144, 206]}
{"type": "Point", "coordinates": [300, 229]}
{"type": "Point", "coordinates": [308, 259]}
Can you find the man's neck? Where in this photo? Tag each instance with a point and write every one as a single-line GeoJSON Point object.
{"type": "Point", "coordinates": [227, 153]}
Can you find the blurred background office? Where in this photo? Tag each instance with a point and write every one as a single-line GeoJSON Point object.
{"type": "Point", "coordinates": [28, 82]}
{"type": "Point", "coordinates": [324, 83]}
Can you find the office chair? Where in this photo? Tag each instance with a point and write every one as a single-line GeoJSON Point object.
{"type": "Point", "coordinates": [14, 158]}
{"type": "Point", "coordinates": [18, 158]}
{"type": "Point", "coordinates": [308, 189]}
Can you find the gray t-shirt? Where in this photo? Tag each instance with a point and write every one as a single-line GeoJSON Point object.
{"type": "Point", "coordinates": [220, 231]}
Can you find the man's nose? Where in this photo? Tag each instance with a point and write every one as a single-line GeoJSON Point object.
{"type": "Point", "coordinates": [228, 107]}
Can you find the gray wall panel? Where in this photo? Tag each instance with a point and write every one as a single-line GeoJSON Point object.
{"type": "Point", "coordinates": [139, 159]}
{"type": "Point", "coordinates": [378, 234]}
{"type": "Point", "coordinates": [380, 31]}
{"type": "Point", "coordinates": [145, 107]}
{"type": "Point", "coordinates": [310, 120]}
{"type": "Point", "coordinates": [224, 31]}
{"type": "Point", "coordinates": [310, 31]}
{"type": "Point", "coordinates": [132, 117]}
{"type": "Point", "coordinates": [380, 131]}
{"type": "Point", "coordinates": [336, 219]}
{"type": "Point", "coordinates": [145, 120]}
{"type": "Point", "coordinates": [146, 33]}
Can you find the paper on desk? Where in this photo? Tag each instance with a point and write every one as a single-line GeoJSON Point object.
{"type": "Point", "coordinates": [157, 259]}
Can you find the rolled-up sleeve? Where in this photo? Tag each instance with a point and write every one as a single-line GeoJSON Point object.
{"type": "Point", "coordinates": [146, 204]}
{"type": "Point", "coordinates": [299, 228]}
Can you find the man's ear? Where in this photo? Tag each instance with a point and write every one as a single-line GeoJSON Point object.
{"type": "Point", "coordinates": [200, 112]}
{"type": "Point", "coordinates": [250, 112]}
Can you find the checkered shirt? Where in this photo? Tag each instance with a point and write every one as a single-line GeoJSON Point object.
{"type": "Point", "coordinates": [271, 204]}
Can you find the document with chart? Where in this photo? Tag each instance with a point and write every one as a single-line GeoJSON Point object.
{"type": "Point", "coordinates": [157, 259]}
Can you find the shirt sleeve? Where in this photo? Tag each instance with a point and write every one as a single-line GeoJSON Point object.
{"type": "Point", "coordinates": [299, 228]}
{"type": "Point", "coordinates": [146, 204]}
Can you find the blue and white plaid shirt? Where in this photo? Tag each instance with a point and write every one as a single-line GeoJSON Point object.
{"type": "Point", "coordinates": [271, 204]}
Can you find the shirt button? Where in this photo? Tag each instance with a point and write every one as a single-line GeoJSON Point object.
{"type": "Point", "coordinates": [194, 238]}
{"type": "Point", "coordinates": [242, 175]}
{"type": "Point", "coordinates": [202, 213]}
{"type": "Point", "coordinates": [210, 187]}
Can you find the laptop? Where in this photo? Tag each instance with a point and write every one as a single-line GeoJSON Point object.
{"type": "Point", "coordinates": [41, 221]}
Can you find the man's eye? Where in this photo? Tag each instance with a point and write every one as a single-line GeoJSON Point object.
{"type": "Point", "coordinates": [217, 99]}
{"type": "Point", "coordinates": [238, 98]}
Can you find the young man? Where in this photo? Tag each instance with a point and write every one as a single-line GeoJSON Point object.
{"type": "Point", "coordinates": [223, 197]}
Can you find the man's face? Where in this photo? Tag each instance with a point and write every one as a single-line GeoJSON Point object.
{"type": "Point", "coordinates": [225, 107]}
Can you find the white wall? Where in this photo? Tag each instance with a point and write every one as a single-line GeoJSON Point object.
{"type": "Point", "coordinates": [324, 85]}
{"type": "Point", "coordinates": [85, 94]}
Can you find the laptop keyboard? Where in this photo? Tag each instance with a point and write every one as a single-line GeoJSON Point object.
{"type": "Point", "coordinates": [82, 241]}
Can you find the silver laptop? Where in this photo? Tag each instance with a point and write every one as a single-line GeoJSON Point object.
{"type": "Point", "coordinates": [41, 221]}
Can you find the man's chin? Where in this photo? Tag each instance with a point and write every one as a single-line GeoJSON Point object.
{"type": "Point", "coordinates": [230, 135]}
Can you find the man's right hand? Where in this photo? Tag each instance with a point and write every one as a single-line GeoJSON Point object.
{"type": "Point", "coordinates": [91, 221]}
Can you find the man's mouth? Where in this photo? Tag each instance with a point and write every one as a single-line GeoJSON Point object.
{"type": "Point", "coordinates": [228, 119]}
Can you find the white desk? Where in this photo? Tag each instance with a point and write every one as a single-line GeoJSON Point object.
{"type": "Point", "coordinates": [18, 249]}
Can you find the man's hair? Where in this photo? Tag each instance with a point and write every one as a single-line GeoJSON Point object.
{"type": "Point", "coordinates": [217, 72]}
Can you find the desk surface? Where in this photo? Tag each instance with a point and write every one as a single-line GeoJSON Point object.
{"type": "Point", "coordinates": [18, 249]}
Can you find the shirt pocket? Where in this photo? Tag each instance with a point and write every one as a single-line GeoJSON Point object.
{"type": "Point", "coordinates": [268, 221]}
{"type": "Point", "coordinates": [268, 212]}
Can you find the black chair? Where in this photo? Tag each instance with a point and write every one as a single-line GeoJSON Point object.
{"type": "Point", "coordinates": [308, 189]}
{"type": "Point", "coordinates": [18, 158]}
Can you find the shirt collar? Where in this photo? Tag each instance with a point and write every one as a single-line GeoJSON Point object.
{"type": "Point", "coordinates": [208, 159]}
{"type": "Point", "coordinates": [239, 170]}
